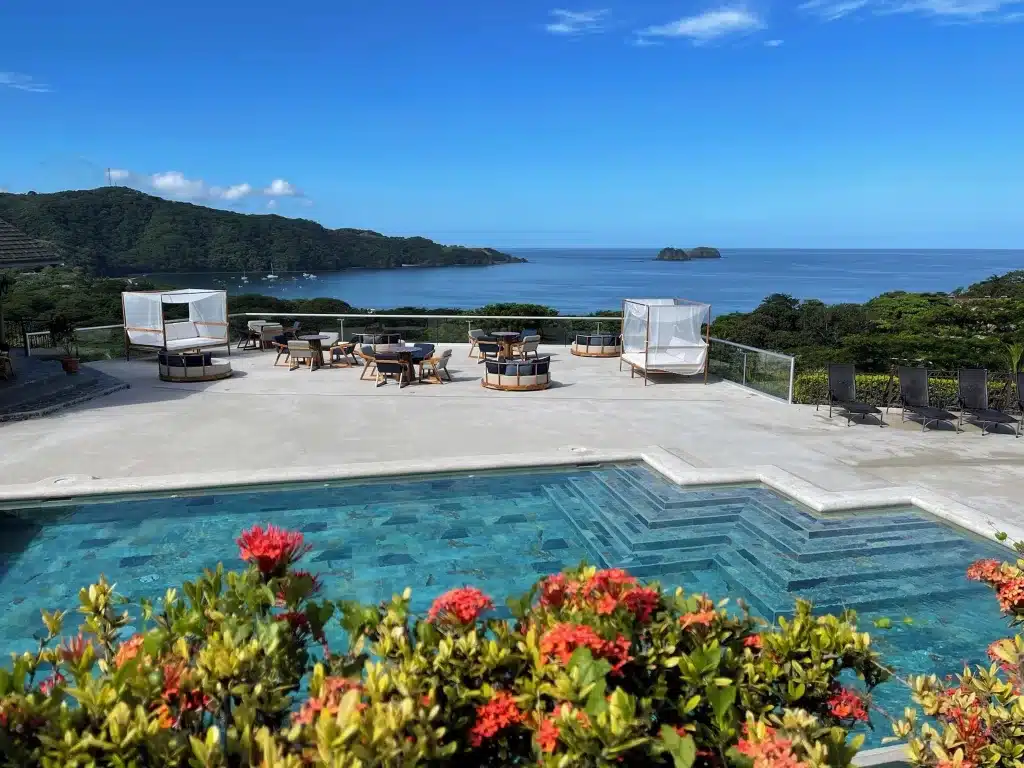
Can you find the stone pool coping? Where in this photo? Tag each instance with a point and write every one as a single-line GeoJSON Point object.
{"type": "Point", "coordinates": [71, 487]}
{"type": "Point", "coordinates": [801, 491]}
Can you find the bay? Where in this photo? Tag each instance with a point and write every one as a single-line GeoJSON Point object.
{"type": "Point", "coordinates": [587, 280]}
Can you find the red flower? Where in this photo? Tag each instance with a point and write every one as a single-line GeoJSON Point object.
{"type": "Point", "coordinates": [463, 605]}
{"type": "Point", "coordinates": [753, 641]}
{"type": "Point", "coordinates": [613, 581]}
{"type": "Point", "coordinates": [606, 605]}
{"type": "Point", "coordinates": [847, 705]}
{"type": "Point", "coordinates": [128, 650]}
{"type": "Point", "coordinates": [562, 639]}
{"type": "Point", "coordinates": [46, 687]}
{"type": "Point", "coordinates": [642, 602]}
{"type": "Point", "coordinates": [497, 714]}
{"type": "Point", "coordinates": [547, 735]}
{"type": "Point", "coordinates": [989, 571]}
{"type": "Point", "coordinates": [272, 550]}
{"type": "Point", "coordinates": [554, 590]}
{"type": "Point", "coordinates": [73, 648]}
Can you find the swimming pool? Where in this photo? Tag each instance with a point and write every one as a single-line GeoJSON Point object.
{"type": "Point", "coordinates": [501, 531]}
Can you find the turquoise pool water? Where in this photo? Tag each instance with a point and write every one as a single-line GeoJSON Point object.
{"type": "Point", "coordinates": [502, 531]}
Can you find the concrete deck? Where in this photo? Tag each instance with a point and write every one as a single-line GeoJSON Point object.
{"type": "Point", "coordinates": [265, 419]}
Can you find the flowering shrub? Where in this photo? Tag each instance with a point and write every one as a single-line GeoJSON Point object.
{"type": "Point", "coordinates": [977, 716]}
{"type": "Point", "coordinates": [595, 669]}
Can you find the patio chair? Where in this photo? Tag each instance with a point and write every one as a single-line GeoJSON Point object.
{"type": "Point", "coordinates": [489, 350]}
{"type": "Point", "coordinates": [915, 400]}
{"type": "Point", "coordinates": [842, 394]}
{"type": "Point", "coordinates": [369, 360]}
{"type": "Point", "coordinates": [432, 368]}
{"type": "Point", "coordinates": [527, 332]}
{"type": "Point", "coordinates": [268, 333]}
{"type": "Point", "coordinates": [474, 338]}
{"type": "Point", "coordinates": [527, 345]}
{"type": "Point", "coordinates": [392, 367]}
{"type": "Point", "coordinates": [293, 331]}
{"type": "Point", "coordinates": [300, 351]}
{"type": "Point", "coordinates": [972, 400]}
{"type": "Point", "coordinates": [343, 353]}
{"type": "Point", "coordinates": [281, 344]}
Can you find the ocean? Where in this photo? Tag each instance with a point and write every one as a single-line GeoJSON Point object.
{"type": "Point", "coordinates": [584, 280]}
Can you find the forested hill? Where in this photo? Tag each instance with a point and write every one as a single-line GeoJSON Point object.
{"type": "Point", "coordinates": [117, 230]}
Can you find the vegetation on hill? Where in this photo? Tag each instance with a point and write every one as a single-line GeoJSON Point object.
{"type": "Point", "coordinates": [118, 231]}
{"type": "Point", "coordinates": [970, 327]}
{"type": "Point", "coordinates": [686, 254]}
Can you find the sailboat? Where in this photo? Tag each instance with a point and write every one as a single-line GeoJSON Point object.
{"type": "Point", "coordinates": [271, 275]}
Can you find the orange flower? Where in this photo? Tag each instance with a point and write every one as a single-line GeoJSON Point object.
{"type": "Point", "coordinates": [847, 705]}
{"type": "Point", "coordinates": [272, 550]}
{"type": "Point", "coordinates": [605, 605]}
{"type": "Point", "coordinates": [547, 735]}
{"type": "Point", "coordinates": [563, 639]}
{"type": "Point", "coordinates": [769, 752]}
{"type": "Point", "coordinates": [463, 605]}
{"type": "Point", "coordinates": [331, 693]}
{"type": "Point", "coordinates": [753, 641]}
{"type": "Point", "coordinates": [73, 648]}
{"type": "Point", "coordinates": [613, 581]}
{"type": "Point", "coordinates": [494, 716]}
{"type": "Point", "coordinates": [128, 650]}
{"type": "Point", "coordinates": [698, 618]}
{"type": "Point", "coordinates": [554, 590]}
{"type": "Point", "coordinates": [990, 571]}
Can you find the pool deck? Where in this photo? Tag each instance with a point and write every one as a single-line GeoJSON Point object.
{"type": "Point", "coordinates": [268, 423]}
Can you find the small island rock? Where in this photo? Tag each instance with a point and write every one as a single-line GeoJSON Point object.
{"type": "Point", "coordinates": [686, 254]}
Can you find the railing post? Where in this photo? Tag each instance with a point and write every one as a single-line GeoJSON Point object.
{"type": "Point", "coordinates": [792, 370]}
{"type": "Point", "coordinates": [744, 369]}
{"type": "Point", "coordinates": [341, 329]}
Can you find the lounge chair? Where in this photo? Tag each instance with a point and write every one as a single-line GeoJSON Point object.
{"type": "Point", "coordinates": [301, 353]}
{"type": "Point", "coordinates": [392, 367]}
{"type": "Point", "coordinates": [972, 400]}
{"type": "Point", "coordinates": [915, 400]}
{"type": "Point", "coordinates": [489, 350]}
{"type": "Point", "coordinates": [842, 394]}
{"type": "Point", "coordinates": [474, 338]}
{"type": "Point", "coordinates": [433, 367]}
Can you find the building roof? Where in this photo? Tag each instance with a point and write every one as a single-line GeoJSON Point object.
{"type": "Point", "coordinates": [19, 251]}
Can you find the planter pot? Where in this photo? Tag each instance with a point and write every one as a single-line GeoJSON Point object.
{"type": "Point", "coordinates": [70, 365]}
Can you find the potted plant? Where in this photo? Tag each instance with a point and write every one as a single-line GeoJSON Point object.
{"type": "Point", "coordinates": [62, 332]}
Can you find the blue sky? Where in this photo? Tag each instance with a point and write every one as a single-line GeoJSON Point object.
{"type": "Point", "coordinates": [829, 123]}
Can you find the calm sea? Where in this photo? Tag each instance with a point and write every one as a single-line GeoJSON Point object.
{"type": "Point", "coordinates": [586, 280]}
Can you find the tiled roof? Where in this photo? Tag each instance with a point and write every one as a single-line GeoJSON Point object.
{"type": "Point", "coordinates": [19, 250]}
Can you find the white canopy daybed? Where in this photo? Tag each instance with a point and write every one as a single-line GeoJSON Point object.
{"type": "Point", "coordinates": [664, 336]}
{"type": "Point", "coordinates": [145, 326]}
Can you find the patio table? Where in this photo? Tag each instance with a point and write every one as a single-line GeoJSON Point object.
{"type": "Point", "coordinates": [507, 340]}
{"type": "Point", "coordinates": [314, 340]}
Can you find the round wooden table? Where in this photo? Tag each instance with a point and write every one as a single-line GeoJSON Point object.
{"type": "Point", "coordinates": [507, 340]}
{"type": "Point", "coordinates": [314, 340]}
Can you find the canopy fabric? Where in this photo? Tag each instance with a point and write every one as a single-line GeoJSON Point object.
{"type": "Point", "coordinates": [665, 333]}
{"type": "Point", "coordinates": [144, 316]}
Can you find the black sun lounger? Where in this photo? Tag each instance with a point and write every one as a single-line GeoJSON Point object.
{"type": "Point", "coordinates": [973, 401]}
{"type": "Point", "coordinates": [914, 399]}
{"type": "Point", "coordinates": [842, 394]}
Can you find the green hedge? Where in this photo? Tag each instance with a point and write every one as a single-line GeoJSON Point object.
{"type": "Point", "coordinates": [881, 389]}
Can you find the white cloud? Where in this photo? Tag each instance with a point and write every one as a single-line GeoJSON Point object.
{"type": "Point", "coordinates": [772, 43]}
{"type": "Point", "coordinates": [23, 82]}
{"type": "Point", "coordinates": [176, 185]}
{"type": "Point", "coordinates": [707, 26]}
{"type": "Point", "coordinates": [950, 10]}
{"type": "Point", "coordinates": [576, 22]}
{"type": "Point", "coordinates": [281, 188]}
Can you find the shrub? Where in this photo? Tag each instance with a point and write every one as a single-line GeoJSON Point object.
{"type": "Point", "coordinates": [881, 389]}
{"type": "Point", "coordinates": [595, 669]}
{"type": "Point", "coordinates": [977, 716]}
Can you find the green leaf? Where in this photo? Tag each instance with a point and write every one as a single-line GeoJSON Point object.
{"type": "Point", "coordinates": [1001, 536]}
{"type": "Point", "coordinates": [682, 748]}
{"type": "Point", "coordinates": [721, 700]}
{"type": "Point", "coordinates": [590, 671]}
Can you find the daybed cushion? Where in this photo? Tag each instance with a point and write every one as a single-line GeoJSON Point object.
{"type": "Point", "coordinates": [195, 342]}
{"type": "Point", "coordinates": [686, 361]}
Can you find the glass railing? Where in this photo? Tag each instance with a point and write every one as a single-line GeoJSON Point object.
{"type": "Point", "coordinates": [770, 373]}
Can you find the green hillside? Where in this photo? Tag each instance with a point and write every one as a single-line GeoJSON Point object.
{"type": "Point", "coordinates": [117, 230]}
